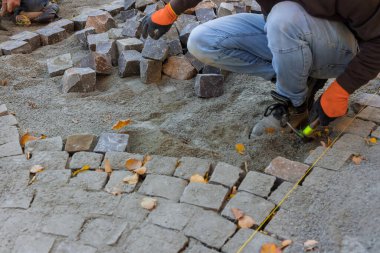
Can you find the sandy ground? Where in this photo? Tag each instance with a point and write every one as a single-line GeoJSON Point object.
{"type": "Point", "coordinates": [168, 118]}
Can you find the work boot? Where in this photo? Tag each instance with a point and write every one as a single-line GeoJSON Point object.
{"type": "Point", "coordinates": [279, 114]}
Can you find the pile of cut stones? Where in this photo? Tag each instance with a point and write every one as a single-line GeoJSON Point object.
{"type": "Point", "coordinates": [112, 34]}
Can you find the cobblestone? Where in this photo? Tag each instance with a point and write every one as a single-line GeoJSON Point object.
{"type": "Point", "coordinates": [81, 159]}
{"type": "Point", "coordinates": [80, 142]}
{"type": "Point", "coordinates": [198, 65]}
{"type": "Point", "coordinates": [51, 35]}
{"type": "Point", "coordinates": [55, 178]}
{"type": "Point", "coordinates": [129, 63]}
{"type": "Point", "coordinates": [209, 85]}
{"type": "Point", "coordinates": [286, 169]}
{"type": "Point", "coordinates": [102, 22]}
{"type": "Point", "coordinates": [19, 199]}
{"type": "Point", "coordinates": [319, 179]}
{"type": "Point", "coordinates": [94, 39]}
{"type": "Point", "coordinates": [175, 47]}
{"type": "Point", "coordinates": [66, 24]}
{"type": "Point", "coordinates": [33, 243]}
{"type": "Point", "coordinates": [301, 198]}
{"type": "Point", "coordinates": [114, 8]}
{"type": "Point", "coordinates": [169, 241]}
{"type": "Point", "coordinates": [183, 20]}
{"type": "Point", "coordinates": [74, 247]}
{"type": "Point", "coordinates": [116, 184]}
{"type": "Point", "coordinates": [79, 80]}
{"type": "Point", "coordinates": [206, 227]}
{"type": "Point", "coordinates": [32, 38]}
{"type": "Point", "coordinates": [155, 49]}
{"type": "Point", "coordinates": [333, 159]}
{"type": "Point", "coordinates": [108, 48]}
{"type": "Point", "coordinates": [58, 65]}
{"type": "Point", "coordinates": [15, 47]}
{"type": "Point", "coordinates": [150, 71]}
{"type": "Point", "coordinates": [371, 114]}
{"type": "Point", "coordinates": [226, 9]}
{"type": "Point", "coordinates": [10, 149]}
{"type": "Point", "coordinates": [179, 67]}
{"type": "Point", "coordinates": [355, 126]}
{"type": "Point", "coordinates": [225, 174]}
{"type": "Point", "coordinates": [8, 120]}
{"type": "Point", "coordinates": [117, 159]}
{"type": "Point", "coordinates": [163, 186]}
{"type": "Point", "coordinates": [280, 192]}
{"type": "Point", "coordinates": [365, 99]}
{"type": "Point", "coordinates": [129, 44]}
{"type": "Point", "coordinates": [89, 180]}
{"type": "Point", "coordinates": [8, 134]}
{"type": "Point", "coordinates": [79, 22]}
{"type": "Point", "coordinates": [112, 142]}
{"type": "Point", "coordinates": [115, 33]}
{"type": "Point", "coordinates": [253, 246]}
{"type": "Point", "coordinates": [50, 160]}
{"type": "Point", "coordinates": [48, 144]}
{"type": "Point", "coordinates": [81, 36]}
{"type": "Point", "coordinates": [161, 165]}
{"type": "Point", "coordinates": [189, 166]}
{"type": "Point", "coordinates": [199, 248]}
{"type": "Point", "coordinates": [257, 183]}
{"type": "Point", "coordinates": [185, 32]}
{"type": "Point", "coordinates": [3, 110]}
{"type": "Point", "coordinates": [256, 207]}
{"type": "Point", "coordinates": [63, 224]}
{"type": "Point", "coordinates": [205, 195]}
{"type": "Point", "coordinates": [130, 208]}
{"type": "Point", "coordinates": [132, 29]}
{"type": "Point", "coordinates": [352, 143]}
{"type": "Point", "coordinates": [205, 14]}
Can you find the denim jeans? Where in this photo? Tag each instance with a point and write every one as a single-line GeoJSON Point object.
{"type": "Point", "coordinates": [291, 46]}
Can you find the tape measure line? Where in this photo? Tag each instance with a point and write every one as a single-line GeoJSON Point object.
{"type": "Point", "coordinates": [304, 176]}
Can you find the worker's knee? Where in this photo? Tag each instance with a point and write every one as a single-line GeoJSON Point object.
{"type": "Point", "coordinates": [199, 45]}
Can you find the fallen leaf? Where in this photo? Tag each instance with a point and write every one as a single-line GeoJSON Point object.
{"type": "Point", "coordinates": [43, 136]}
{"type": "Point", "coordinates": [140, 171]}
{"type": "Point", "coordinates": [32, 180]}
{"type": "Point", "coordinates": [197, 179]}
{"type": "Point", "coordinates": [373, 140]}
{"type": "Point", "coordinates": [26, 138]}
{"type": "Point", "coordinates": [237, 213]}
{"type": "Point", "coordinates": [269, 248]}
{"type": "Point", "coordinates": [107, 166]}
{"type": "Point", "coordinates": [270, 130]}
{"type": "Point", "coordinates": [148, 203]}
{"type": "Point", "coordinates": [323, 144]}
{"type": "Point", "coordinates": [147, 158]}
{"type": "Point", "coordinates": [234, 190]}
{"type": "Point", "coordinates": [357, 159]}
{"type": "Point", "coordinates": [121, 123]}
{"type": "Point", "coordinates": [28, 155]}
{"type": "Point", "coordinates": [133, 164]}
{"type": "Point", "coordinates": [329, 141]}
{"type": "Point", "coordinates": [310, 245]}
{"type": "Point", "coordinates": [240, 148]}
{"type": "Point", "coordinates": [131, 179]}
{"type": "Point", "coordinates": [4, 82]}
{"type": "Point", "coordinates": [75, 121]}
{"type": "Point", "coordinates": [246, 222]}
{"type": "Point", "coordinates": [286, 243]}
{"type": "Point", "coordinates": [84, 168]}
{"type": "Point", "coordinates": [36, 169]}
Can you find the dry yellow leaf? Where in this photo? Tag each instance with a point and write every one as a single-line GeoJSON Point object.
{"type": "Point", "coordinates": [286, 243]}
{"type": "Point", "coordinates": [238, 214]}
{"type": "Point", "coordinates": [131, 179]}
{"type": "Point", "coordinates": [269, 248]}
{"type": "Point", "coordinates": [240, 148]}
{"type": "Point", "coordinates": [357, 159]}
{"type": "Point", "coordinates": [148, 203]}
{"type": "Point", "coordinates": [107, 166]}
{"type": "Point", "coordinates": [36, 169]}
{"type": "Point", "coordinates": [26, 138]}
{"type": "Point", "coordinates": [84, 168]}
{"type": "Point", "coordinates": [147, 158]}
{"type": "Point", "coordinates": [140, 171]}
{"type": "Point", "coordinates": [197, 179]}
{"type": "Point", "coordinates": [310, 245]}
{"type": "Point", "coordinates": [373, 140]}
{"type": "Point", "coordinates": [270, 130]}
{"type": "Point", "coordinates": [121, 123]}
{"type": "Point", "coordinates": [133, 164]}
{"type": "Point", "coordinates": [246, 222]}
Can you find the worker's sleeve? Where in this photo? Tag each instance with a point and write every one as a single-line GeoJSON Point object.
{"type": "Point", "coordinates": [364, 67]}
{"type": "Point", "coordinates": [179, 6]}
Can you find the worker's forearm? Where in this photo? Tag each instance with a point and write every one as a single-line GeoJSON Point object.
{"type": "Point", "coordinates": [179, 6]}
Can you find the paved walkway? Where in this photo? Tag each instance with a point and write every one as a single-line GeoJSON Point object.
{"type": "Point", "coordinates": [58, 212]}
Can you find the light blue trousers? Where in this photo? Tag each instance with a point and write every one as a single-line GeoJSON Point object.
{"type": "Point", "coordinates": [291, 46]}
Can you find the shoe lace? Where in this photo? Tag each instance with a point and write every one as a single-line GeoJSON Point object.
{"type": "Point", "coordinates": [279, 111]}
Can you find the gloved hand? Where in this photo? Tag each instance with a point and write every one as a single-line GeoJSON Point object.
{"type": "Point", "coordinates": [158, 23]}
{"type": "Point", "coordinates": [12, 5]}
{"type": "Point", "coordinates": [332, 104]}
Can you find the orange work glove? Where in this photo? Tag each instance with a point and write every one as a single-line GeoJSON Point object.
{"type": "Point", "coordinates": [332, 104]}
{"type": "Point", "coordinates": [158, 23]}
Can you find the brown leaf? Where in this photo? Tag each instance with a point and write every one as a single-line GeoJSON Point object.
{"type": "Point", "coordinates": [141, 171]}
{"type": "Point", "coordinates": [28, 155]}
{"type": "Point", "coordinates": [238, 214]}
{"type": "Point", "coordinates": [373, 140]}
{"type": "Point", "coordinates": [4, 82]}
{"type": "Point", "coordinates": [147, 158]}
{"type": "Point", "coordinates": [270, 248]}
{"type": "Point", "coordinates": [121, 123]}
{"type": "Point", "coordinates": [107, 166]}
{"type": "Point", "coordinates": [36, 169]}
{"type": "Point", "coordinates": [310, 245]}
{"type": "Point", "coordinates": [246, 222]}
{"type": "Point", "coordinates": [197, 179]}
{"type": "Point", "coordinates": [357, 159]}
{"type": "Point", "coordinates": [26, 138]}
{"type": "Point", "coordinates": [270, 130]}
{"type": "Point", "coordinates": [133, 164]}
{"type": "Point", "coordinates": [240, 148]}
{"type": "Point", "coordinates": [148, 203]}
{"type": "Point", "coordinates": [131, 179]}
{"type": "Point", "coordinates": [286, 243]}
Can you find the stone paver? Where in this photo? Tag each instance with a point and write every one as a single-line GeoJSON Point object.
{"type": "Point", "coordinates": [3, 110]}
{"type": "Point", "coordinates": [257, 183]}
{"type": "Point", "coordinates": [48, 144]}
{"type": "Point", "coordinates": [129, 208]}
{"type": "Point", "coordinates": [32, 38]}
{"type": "Point", "coordinates": [51, 35]}
{"type": "Point", "coordinates": [163, 186]}
{"type": "Point", "coordinates": [57, 65]}
{"type": "Point", "coordinates": [150, 71]}
{"type": "Point", "coordinates": [8, 120]}
{"type": "Point", "coordinates": [161, 165]}
{"type": "Point", "coordinates": [55, 178]}
{"type": "Point", "coordinates": [225, 174]}
{"type": "Point", "coordinates": [350, 142]}
{"type": "Point", "coordinates": [129, 63]}
{"type": "Point", "coordinates": [10, 149]}
{"type": "Point", "coordinates": [15, 47]}
{"type": "Point", "coordinates": [210, 228]}
{"type": "Point", "coordinates": [371, 114]}
{"type": "Point", "coordinates": [80, 142]}
{"type": "Point", "coordinates": [74, 247]}
{"type": "Point", "coordinates": [199, 248]}
{"type": "Point", "coordinates": [63, 224]}
{"type": "Point", "coordinates": [19, 199]}
{"type": "Point", "coordinates": [301, 197]}
{"type": "Point", "coordinates": [256, 207]}
{"type": "Point", "coordinates": [112, 142]}
{"type": "Point", "coordinates": [102, 22]}
{"type": "Point", "coordinates": [151, 238]}
{"type": "Point", "coordinates": [33, 244]}
{"type": "Point", "coordinates": [189, 166]}
{"type": "Point", "coordinates": [89, 180]}
{"type": "Point", "coordinates": [8, 134]}
{"type": "Point", "coordinates": [366, 99]}
{"type": "Point", "coordinates": [319, 179]}
{"type": "Point", "coordinates": [94, 39]}
{"type": "Point", "coordinates": [253, 246]}
{"type": "Point", "coordinates": [66, 24]}
{"type": "Point", "coordinates": [173, 215]}
{"type": "Point", "coordinates": [179, 67]}
{"type": "Point", "coordinates": [81, 36]}
{"type": "Point", "coordinates": [116, 185]}
{"type": "Point", "coordinates": [205, 195]}
{"type": "Point", "coordinates": [277, 195]}
{"type": "Point", "coordinates": [117, 159]}
{"type": "Point", "coordinates": [129, 44]}
{"type": "Point", "coordinates": [333, 159]}
{"type": "Point", "coordinates": [286, 169]}
{"type": "Point", "coordinates": [79, 80]}
{"type": "Point", "coordinates": [357, 126]}
{"type": "Point", "coordinates": [81, 159]}
{"type": "Point", "coordinates": [50, 160]}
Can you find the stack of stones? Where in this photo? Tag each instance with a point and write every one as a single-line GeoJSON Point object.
{"type": "Point", "coordinates": [112, 34]}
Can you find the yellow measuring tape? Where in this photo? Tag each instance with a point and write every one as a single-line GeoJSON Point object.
{"type": "Point", "coordinates": [304, 176]}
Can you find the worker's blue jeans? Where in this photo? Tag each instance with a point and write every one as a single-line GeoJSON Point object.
{"type": "Point", "coordinates": [291, 45]}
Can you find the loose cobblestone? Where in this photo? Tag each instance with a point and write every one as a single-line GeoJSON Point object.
{"type": "Point", "coordinates": [286, 169]}
{"type": "Point", "coordinates": [66, 24]}
{"type": "Point", "coordinates": [80, 142]}
{"type": "Point", "coordinates": [257, 183]}
{"type": "Point", "coordinates": [15, 47]}
{"type": "Point", "coordinates": [189, 166]}
{"type": "Point", "coordinates": [32, 38]}
{"type": "Point", "coordinates": [179, 67]}
{"type": "Point", "coordinates": [161, 165]}
{"type": "Point", "coordinates": [109, 142]}
{"type": "Point", "coordinates": [209, 85]}
{"type": "Point", "coordinates": [155, 49]}
{"type": "Point", "coordinates": [129, 63]}
{"type": "Point", "coordinates": [48, 144]}
{"type": "Point", "coordinates": [102, 22]}
{"type": "Point", "coordinates": [129, 44]}
{"type": "Point", "coordinates": [79, 80]}
{"type": "Point", "coordinates": [225, 174]}
{"type": "Point", "coordinates": [132, 29]}
{"type": "Point", "coordinates": [51, 35]}
{"type": "Point", "coordinates": [205, 14]}
{"type": "Point", "coordinates": [108, 48]}
{"type": "Point", "coordinates": [81, 36]}
{"type": "Point", "coordinates": [150, 71]}
{"type": "Point", "coordinates": [94, 39]}
{"type": "Point", "coordinates": [89, 180]}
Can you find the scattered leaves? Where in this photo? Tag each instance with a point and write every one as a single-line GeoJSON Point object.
{"type": "Point", "coordinates": [121, 123]}
{"type": "Point", "coordinates": [140, 171]}
{"type": "Point", "coordinates": [286, 243]}
{"type": "Point", "coordinates": [28, 155]}
{"type": "Point", "coordinates": [107, 166]}
{"type": "Point", "coordinates": [310, 245]}
{"type": "Point", "coordinates": [197, 179]}
{"type": "Point", "coordinates": [36, 169]}
{"type": "Point", "coordinates": [238, 214]}
{"type": "Point", "coordinates": [240, 148]}
{"type": "Point", "coordinates": [133, 164]}
{"type": "Point", "coordinates": [357, 159]}
{"type": "Point", "coordinates": [270, 248]}
{"type": "Point", "coordinates": [84, 168]}
{"type": "Point", "coordinates": [26, 138]}
{"type": "Point", "coordinates": [246, 222]}
{"type": "Point", "coordinates": [148, 203]}
{"type": "Point", "coordinates": [131, 179]}
{"type": "Point", "coordinates": [270, 130]}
